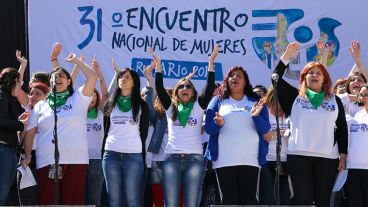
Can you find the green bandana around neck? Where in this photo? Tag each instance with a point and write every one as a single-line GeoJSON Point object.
{"type": "Point", "coordinates": [315, 98]}
{"type": "Point", "coordinates": [61, 98]}
{"type": "Point", "coordinates": [92, 114]}
{"type": "Point", "coordinates": [124, 103]}
{"type": "Point", "coordinates": [184, 112]}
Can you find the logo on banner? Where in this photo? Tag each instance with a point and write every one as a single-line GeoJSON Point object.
{"type": "Point", "coordinates": [270, 49]}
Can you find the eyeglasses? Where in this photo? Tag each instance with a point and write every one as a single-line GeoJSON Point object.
{"type": "Point", "coordinates": [363, 95]}
{"type": "Point", "coordinates": [341, 86]}
{"type": "Point", "coordinates": [186, 86]}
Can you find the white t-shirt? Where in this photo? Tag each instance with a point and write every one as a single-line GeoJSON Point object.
{"type": "Point", "coordinates": [71, 130]}
{"type": "Point", "coordinates": [95, 135]}
{"type": "Point", "coordinates": [271, 155]}
{"type": "Point", "coordinates": [123, 135]}
{"type": "Point", "coordinates": [350, 107]}
{"type": "Point", "coordinates": [185, 140]}
{"type": "Point", "coordinates": [238, 138]}
{"type": "Point", "coordinates": [358, 154]}
{"type": "Point", "coordinates": [312, 129]}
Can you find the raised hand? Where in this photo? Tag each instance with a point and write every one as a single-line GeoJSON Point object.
{"type": "Point", "coordinates": [355, 49]}
{"type": "Point", "coordinates": [56, 49]}
{"type": "Point", "coordinates": [96, 67]}
{"type": "Point", "coordinates": [148, 72]}
{"type": "Point", "coordinates": [322, 49]}
{"type": "Point", "coordinates": [211, 59]}
{"type": "Point", "coordinates": [21, 59]}
{"type": "Point", "coordinates": [291, 51]}
{"type": "Point", "coordinates": [257, 108]}
{"type": "Point", "coordinates": [157, 59]}
{"type": "Point", "coordinates": [72, 58]}
{"type": "Point", "coordinates": [191, 75]}
{"type": "Point", "coordinates": [114, 66]}
{"type": "Point", "coordinates": [218, 119]}
{"type": "Point", "coordinates": [82, 57]}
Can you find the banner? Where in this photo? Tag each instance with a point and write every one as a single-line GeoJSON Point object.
{"type": "Point", "coordinates": [252, 34]}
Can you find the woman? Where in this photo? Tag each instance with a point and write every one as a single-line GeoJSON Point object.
{"type": "Point", "coordinates": [10, 109]}
{"type": "Point", "coordinates": [318, 141]}
{"type": "Point", "coordinates": [184, 161]}
{"type": "Point", "coordinates": [71, 107]}
{"type": "Point", "coordinates": [268, 172]}
{"type": "Point", "coordinates": [126, 127]}
{"type": "Point", "coordinates": [357, 164]}
{"type": "Point", "coordinates": [236, 123]}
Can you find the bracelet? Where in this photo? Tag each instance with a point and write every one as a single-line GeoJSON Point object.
{"type": "Point", "coordinates": [53, 59]}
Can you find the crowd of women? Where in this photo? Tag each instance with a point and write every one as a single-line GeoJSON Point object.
{"type": "Point", "coordinates": [121, 146]}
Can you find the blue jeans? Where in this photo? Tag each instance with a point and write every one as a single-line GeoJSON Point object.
{"type": "Point", "coordinates": [8, 169]}
{"type": "Point", "coordinates": [94, 182]}
{"type": "Point", "coordinates": [267, 185]}
{"type": "Point", "coordinates": [124, 175]}
{"type": "Point", "coordinates": [186, 169]}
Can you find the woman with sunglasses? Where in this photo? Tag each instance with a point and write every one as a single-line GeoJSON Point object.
{"type": "Point", "coordinates": [357, 162]}
{"type": "Point", "coordinates": [184, 163]}
{"type": "Point", "coordinates": [318, 142]}
{"type": "Point", "coordinates": [236, 122]}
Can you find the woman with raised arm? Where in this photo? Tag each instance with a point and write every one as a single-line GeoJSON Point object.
{"type": "Point", "coordinates": [357, 162]}
{"type": "Point", "coordinates": [126, 124]}
{"type": "Point", "coordinates": [318, 141]}
{"type": "Point", "coordinates": [10, 125]}
{"type": "Point", "coordinates": [236, 122]}
{"type": "Point", "coordinates": [71, 109]}
{"type": "Point", "coordinates": [95, 135]}
{"type": "Point", "coordinates": [184, 163]}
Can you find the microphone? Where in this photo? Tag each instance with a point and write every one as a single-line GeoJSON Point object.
{"type": "Point", "coordinates": [275, 77]}
{"type": "Point", "coordinates": [54, 80]}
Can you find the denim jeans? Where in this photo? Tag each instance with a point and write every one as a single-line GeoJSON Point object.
{"type": "Point", "coordinates": [94, 182]}
{"type": "Point", "coordinates": [267, 185]}
{"type": "Point", "coordinates": [186, 169]}
{"type": "Point", "coordinates": [8, 169]}
{"type": "Point", "coordinates": [124, 177]}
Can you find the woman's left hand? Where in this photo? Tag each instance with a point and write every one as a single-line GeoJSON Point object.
{"type": "Point", "coordinates": [257, 108]}
{"type": "Point", "coordinates": [342, 162]}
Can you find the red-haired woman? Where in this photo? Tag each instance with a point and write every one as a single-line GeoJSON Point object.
{"type": "Point", "coordinates": [318, 142]}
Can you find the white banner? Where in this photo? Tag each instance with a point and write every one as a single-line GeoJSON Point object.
{"type": "Point", "coordinates": [252, 34]}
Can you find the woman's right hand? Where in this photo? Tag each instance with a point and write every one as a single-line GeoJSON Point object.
{"type": "Point", "coordinates": [218, 119]}
{"type": "Point", "coordinates": [56, 49]}
{"type": "Point", "coordinates": [157, 59]}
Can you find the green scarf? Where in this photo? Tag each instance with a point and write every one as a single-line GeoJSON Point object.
{"type": "Point", "coordinates": [315, 98]}
{"type": "Point", "coordinates": [184, 112]}
{"type": "Point", "coordinates": [61, 98]}
{"type": "Point", "coordinates": [92, 114]}
{"type": "Point", "coordinates": [124, 103]}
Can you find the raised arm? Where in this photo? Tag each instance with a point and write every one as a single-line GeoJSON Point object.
{"type": "Point", "coordinates": [56, 49]}
{"type": "Point", "coordinates": [91, 76]}
{"type": "Point", "coordinates": [285, 91]}
{"type": "Point", "coordinates": [113, 83]}
{"type": "Point", "coordinates": [191, 75]}
{"type": "Point", "coordinates": [104, 92]}
{"type": "Point", "coordinates": [76, 69]}
{"type": "Point", "coordinates": [207, 93]}
{"type": "Point", "coordinates": [22, 96]}
{"type": "Point", "coordinates": [164, 97]}
{"type": "Point", "coordinates": [322, 52]}
{"type": "Point", "coordinates": [359, 65]}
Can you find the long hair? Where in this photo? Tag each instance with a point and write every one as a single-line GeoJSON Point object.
{"type": "Point", "coordinates": [223, 91]}
{"type": "Point", "coordinates": [136, 96]}
{"type": "Point", "coordinates": [8, 78]}
{"type": "Point", "coordinates": [98, 98]}
{"type": "Point", "coordinates": [176, 99]}
{"type": "Point", "coordinates": [70, 86]}
{"type": "Point", "coordinates": [157, 104]}
{"type": "Point", "coordinates": [326, 85]}
{"type": "Point", "coordinates": [350, 78]}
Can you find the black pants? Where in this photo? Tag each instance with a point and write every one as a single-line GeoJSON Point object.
{"type": "Point", "coordinates": [357, 186]}
{"type": "Point", "coordinates": [238, 184]}
{"type": "Point", "coordinates": [312, 179]}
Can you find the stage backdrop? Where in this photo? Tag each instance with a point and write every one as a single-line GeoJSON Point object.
{"type": "Point", "coordinates": [252, 34]}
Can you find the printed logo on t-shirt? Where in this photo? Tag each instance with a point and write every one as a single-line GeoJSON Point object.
{"type": "Point", "coordinates": [62, 108]}
{"type": "Point", "coordinates": [123, 120]}
{"type": "Point", "coordinates": [358, 127]}
{"type": "Point", "coordinates": [246, 108]}
{"type": "Point", "coordinates": [191, 122]}
{"type": "Point", "coordinates": [308, 105]}
{"type": "Point", "coordinates": [94, 126]}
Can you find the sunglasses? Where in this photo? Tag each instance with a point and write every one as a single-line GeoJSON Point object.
{"type": "Point", "coordinates": [186, 86]}
{"type": "Point", "coordinates": [363, 95]}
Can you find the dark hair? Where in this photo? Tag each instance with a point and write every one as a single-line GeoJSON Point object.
{"type": "Point", "coordinates": [44, 88]}
{"type": "Point", "coordinates": [176, 99]}
{"type": "Point", "coordinates": [42, 77]}
{"type": "Point", "coordinates": [8, 78]}
{"type": "Point", "coordinates": [98, 98]}
{"type": "Point", "coordinates": [264, 89]}
{"type": "Point", "coordinates": [157, 104]}
{"type": "Point", "coordinates": [351, 77]}
{"type": "Point", "coordinates": [136, 95]}
{"type": "Point", "coordinates": [223, 91]}
{"type": "Point", "coordinates": [340, 81]}
{"type": "Point", "coordinates": [70, 86]}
